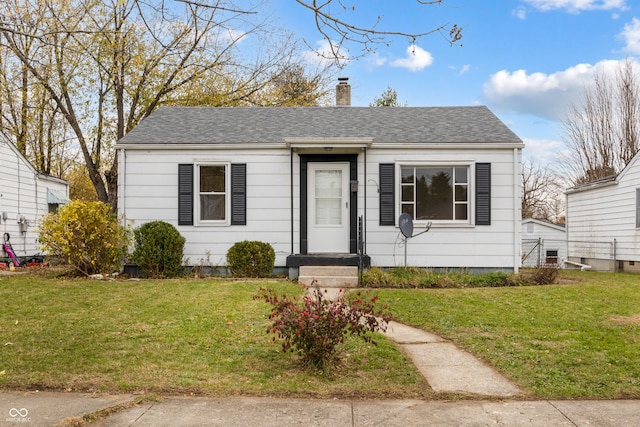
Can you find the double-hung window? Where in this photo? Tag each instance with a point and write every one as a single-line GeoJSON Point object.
{"type": "Point", "coordinates": [212, 188]}
{"type": "Point", "coordinates": [212, 194]}
{"type": "Point", "coordinates": [435, 193]}
{"type": "Point", "coordinates": [439, 193]}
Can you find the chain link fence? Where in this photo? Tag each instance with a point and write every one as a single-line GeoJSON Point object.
{"type": "Point", "coordinates": [580, 254]}
{"type": "Point", "coordinates": [539, 252]}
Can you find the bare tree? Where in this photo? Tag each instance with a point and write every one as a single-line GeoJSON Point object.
{"type": "Point", "coordinates": [102, 66]}
{"type": "Point", "coordinates": [541, 193]}
{"type": "Point", "coordinates": [105, 65]}
{"type": "Point", "coordinates": [339, 30]}
{"type": "Point", "coordinates": [27, 115]}
{"type": "Point", "coordinates": [602, 132]}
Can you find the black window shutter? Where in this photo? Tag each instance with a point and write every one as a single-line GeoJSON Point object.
{"type": "Point", "coordinates": [387, 194]}
{"type": "Point", "coordinates": [483, 193]}
{"type": "Point", "coordinates": [238, 194]}
{"type": "Point", "coordinates": [185, 194]}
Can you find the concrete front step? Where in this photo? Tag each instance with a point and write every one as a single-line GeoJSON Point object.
{"type": "Point", "coordinates": [329, 276]}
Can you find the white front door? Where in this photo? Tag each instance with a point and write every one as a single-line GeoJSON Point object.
{"type": "Point", "coordinates": [328, 207]}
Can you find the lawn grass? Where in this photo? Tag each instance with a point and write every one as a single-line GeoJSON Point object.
{"type": "Point", "coordinates": [578, 339]}
{"type": "Point", "coordinates": [204, 337]}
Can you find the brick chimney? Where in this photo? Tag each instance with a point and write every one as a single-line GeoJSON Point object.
{"type": "Point", "coordinates": [343, 92]}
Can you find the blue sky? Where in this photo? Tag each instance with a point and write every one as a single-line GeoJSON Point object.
{"type": "Point", "coordinates": [527, 60]}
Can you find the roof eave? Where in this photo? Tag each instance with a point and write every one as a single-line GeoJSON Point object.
{"type": "Point", "coordinates": [320, 143]}
{"type": "Point", "coordinates": [444, 145]}
{"type": "Point", "coordinates": [197, 146]}
{"type": "Point", "coordinates": [591, 186]}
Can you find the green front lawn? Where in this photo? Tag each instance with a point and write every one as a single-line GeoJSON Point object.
{"type": "Point", "coordinates": [578, 339]}
{"type": "Point", "coordinates": [172, 336]}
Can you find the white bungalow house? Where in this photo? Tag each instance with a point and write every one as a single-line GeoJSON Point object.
{"type": "Point", "coordinates": [25, 196]}
{"type": "Point", "coordinates": [325, 185]}
{"type": "Point", "coordinates": [543, 243]}
{"type": "Point", "coordinates": [603, 221]}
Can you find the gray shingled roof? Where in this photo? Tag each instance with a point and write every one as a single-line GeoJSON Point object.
{"type": "Point", "coordinates": [201, 125]}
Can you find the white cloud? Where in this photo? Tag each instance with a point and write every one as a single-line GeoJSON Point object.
{"type": "Point", "coordinates": [323, 55]}
{"type": "Point", "coordinates": [576, 6]}
{"type": "Point", "coordinates": [543, 151]}
{"type": "Point", "coordinates": [375, 60]}
{"type": "Point", "coordinates": [460, 70]}
{"type": "Point", "coordinates": [520, 12]}
{"type": "Point", "coordinates": [416, 59]}
{"type": "Point", "coordinates": [631, 36]}
{"type": "Point", "coordinates": [544, 95]}
{"type": "Point", "coordinates": [464, 69]}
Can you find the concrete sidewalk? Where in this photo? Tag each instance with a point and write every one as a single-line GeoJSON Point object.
{"type": "Point", "coordinates": [65, 409]}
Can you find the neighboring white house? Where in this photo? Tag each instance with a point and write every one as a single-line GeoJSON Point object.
{"type": "Point", "coordinates": [603, 221]}
{"type": "Point", "coordinates": [25, 196]}
{"type": "Point", "coordinates": [543, 243]}
{"type": "Point", "coordinates": [324, 185]}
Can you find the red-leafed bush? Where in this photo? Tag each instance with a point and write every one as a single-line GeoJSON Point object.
{"type": "Point", "coordinates": [314, 326]}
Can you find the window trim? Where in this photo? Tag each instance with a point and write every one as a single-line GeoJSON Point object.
{"type": "Point", "coordinates": [196, 194]}
{"type": "Point", "coordinates": [470, 166]}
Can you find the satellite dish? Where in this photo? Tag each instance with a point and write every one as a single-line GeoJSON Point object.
{"type": "Point", "coordinates": [405, 222]}
{"type": "Point", "coordinates": [406, 225]}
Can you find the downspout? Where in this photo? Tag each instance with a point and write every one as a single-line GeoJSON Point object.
{"type": "Point", "coordinates": [364, 226]}
{"type": "Point", "coordinates": [122, 191]}
{"type": "Point", "coordinates": [291, 178]}
{"type": "Point", "coordinates": [36, 178]}
{"type": "Point", "coordinates": [516, 206]}
{"type": "Point", "coordinates": [19, 184]}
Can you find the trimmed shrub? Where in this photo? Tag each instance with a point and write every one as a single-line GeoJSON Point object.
{"type": "Point", "coordinates": [87, 235]}
{"type": "Point", "coordinates": [159, 249]}
{"type": "Point", "coordinates": [251, 259]}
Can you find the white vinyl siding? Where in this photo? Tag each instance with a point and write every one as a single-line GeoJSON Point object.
{"type": "Point", "coordinates": [448, 245]}
{"type": "Point", "coordinates": [151, 193]}
{"type": "Point", "coordinates": [604, 213]}
{"type": "Point", "coordinates": [23, 194]}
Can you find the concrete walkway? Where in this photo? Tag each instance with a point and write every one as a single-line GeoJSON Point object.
{"type": "Point", "coordinates": [447, 368]}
